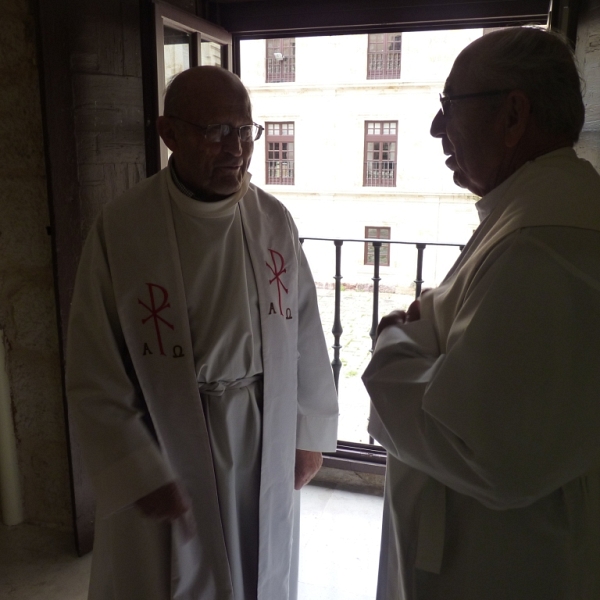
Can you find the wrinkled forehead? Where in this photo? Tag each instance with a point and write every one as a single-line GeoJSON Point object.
{"type": "Point", "coordinates": [466, 73]}
{"type": "Point", "coordinates": [219, 108]}
{"type": "Point", "coordinates": [461, 79]}
{"type": "Point", "coordinates": [456, 81]}
{"type": "Point", "coordinates": [222, 112]}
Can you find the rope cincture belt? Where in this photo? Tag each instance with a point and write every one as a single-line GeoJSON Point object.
{"type": "Point", "coordinates": [217, 388]}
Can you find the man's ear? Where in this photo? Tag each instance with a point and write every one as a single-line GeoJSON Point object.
{"type": "Point", "coordinates": [166, 130]}
{"type": "Point", "coordinates": [518, 114]}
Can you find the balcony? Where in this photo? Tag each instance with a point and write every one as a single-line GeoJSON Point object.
{"type": "Point", "coordinates": [356, 450]}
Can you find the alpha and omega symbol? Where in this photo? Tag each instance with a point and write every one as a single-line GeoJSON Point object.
{"type": "Point", "coordinates": [158, 302]}
{"type": "Point", "coordinates": [277, 268]}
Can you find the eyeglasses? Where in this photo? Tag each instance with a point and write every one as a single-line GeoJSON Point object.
{"type": "Point", "coordinates": [215, 133]}
{"type": "Point", "coordinates": [446, 101]}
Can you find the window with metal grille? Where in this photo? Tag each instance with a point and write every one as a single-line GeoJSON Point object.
{"type": "Point", "coordinates": [377, 233]}
{"type": "Point", "coordinates": [281, 60]}
{"type": "Point", "coordinates": [280, 153]}
{"type": "Point", "coordinates": [384, 55]}
{"type": "Point", "coordinates": [381, 138]}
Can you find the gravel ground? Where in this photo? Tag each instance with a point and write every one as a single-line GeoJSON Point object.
{"type": "Point", "coordinates": [356, 317]}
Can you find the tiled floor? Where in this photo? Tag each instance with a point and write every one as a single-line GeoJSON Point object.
{"type": "Point", "coordinates": [338, 560]}
{"type": "Point", "coordinates": [40, 564]}
{"type": "Point", "coordinates": [339, 537]}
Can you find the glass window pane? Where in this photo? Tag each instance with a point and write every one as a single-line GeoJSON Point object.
{"type": "Point", "coordinates": [384, 56]}
{"type": "Point", "coordinates": [211, 53]}
{"type": "Point", "coordinates": [280, 155]}
{"type": "Point", "coordinates": [370, 254]}
{"type": "Point", "coordinates": [177, 52]}
{"type": "Point", "coordinates": [281, 60]}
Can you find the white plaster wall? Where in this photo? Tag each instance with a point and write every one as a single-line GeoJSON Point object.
{"type": "Point", "coordinates": [329, 103]}
{"type": "Point", "coordinates": [428, 55]}
{"type": "Point", "coordinates": [27, 308]}
{"type": "Point", "coordinates": [329, 139]}
{"type": "Point", "coordinates": [415, 219]}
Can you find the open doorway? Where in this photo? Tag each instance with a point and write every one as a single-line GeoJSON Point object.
{"type": "Point", "coordinates": [347, 149]}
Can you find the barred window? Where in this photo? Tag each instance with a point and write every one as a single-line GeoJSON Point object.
{"type": "Point", "coordinates": [381, 139]}
{"type": "Point", "coordinates": [384, 55]}
{"type": "Point", "coordinates": [280, 153]}
{"type": "Point", "coordinates": [378, 233]}
{"type": "Point", "coordinates": [281, 60]}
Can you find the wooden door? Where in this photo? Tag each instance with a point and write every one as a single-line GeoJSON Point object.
{"type": "Point", "coordinates": [101, 87]}
{"type": "Point", "coordinates": [103, 72]}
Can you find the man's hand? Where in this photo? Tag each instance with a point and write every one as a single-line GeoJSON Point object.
{"type": "Point", "coordinates": [396, 317]}
{"type": "Point", "coordinates": [167, 503]}
{"type": "Point", "coordinates": [307, 465]}
{"type": "Point", "coordinates": [399, 317]}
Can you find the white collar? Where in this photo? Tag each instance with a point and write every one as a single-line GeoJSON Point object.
{"type": "Point", "coordinates": [211, 210]}
{"type": "Point", "coordinates": [488, 202]}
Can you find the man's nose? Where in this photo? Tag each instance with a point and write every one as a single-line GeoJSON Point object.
{"type": "Point", "coordinates": [232, 143]}
{"type": "Point", "coordinates": [438, 125]}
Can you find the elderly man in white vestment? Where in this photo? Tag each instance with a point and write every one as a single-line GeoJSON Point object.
{"type": "Point", "coordinates": [486, 393]}
{"type": "Point", "coordinates": [197, 370]}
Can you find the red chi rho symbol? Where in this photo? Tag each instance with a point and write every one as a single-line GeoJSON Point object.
{"type": "Point", "coordinates": [155, 312]}
{"type": "Point", "coordinates": [278, 270]}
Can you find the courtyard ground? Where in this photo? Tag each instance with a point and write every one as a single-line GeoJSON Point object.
{"type": "Point", "coordinates": [356, 317]}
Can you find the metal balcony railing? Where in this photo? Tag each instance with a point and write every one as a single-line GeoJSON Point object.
{"type": "Point", "coordinates": [354, 455]}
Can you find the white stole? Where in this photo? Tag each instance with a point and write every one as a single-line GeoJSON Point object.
{"type": "Point", "coordinates": [152, 308]}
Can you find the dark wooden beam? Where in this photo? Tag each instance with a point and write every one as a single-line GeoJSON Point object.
{"type": "Point", "coordinates": [260, 18]}
{"type": "Point", "coordinates": [55, 29]}
{"type": "Point", "coordinates": [91, 82]}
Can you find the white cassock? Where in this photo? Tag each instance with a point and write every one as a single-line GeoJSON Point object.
{"type": "Point", "coordinates": [204, 317]}
{"type": "Point", "coordinates": [489, 406]}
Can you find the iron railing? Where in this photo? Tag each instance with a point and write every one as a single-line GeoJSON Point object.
{"type": "Point", "coordinates": [280, 172]}
{"type": "Point", "coordinates": [354, 455]}
{"type": "Point", "coordinates": [380, 173]}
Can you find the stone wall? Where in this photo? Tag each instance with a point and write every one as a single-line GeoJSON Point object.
{"type": "Point", "coordinates": [588, 57]}
{"type": "Point", "coordinates": [27, 305]}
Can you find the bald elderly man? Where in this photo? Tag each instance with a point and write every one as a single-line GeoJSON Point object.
{"type": "Point", "coordinates": [197, 370]}
{"type": "Point", "coordinates": [486, 394]}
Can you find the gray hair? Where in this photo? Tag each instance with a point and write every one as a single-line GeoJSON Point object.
{"type": "Point", "coordinates": [542, 65]}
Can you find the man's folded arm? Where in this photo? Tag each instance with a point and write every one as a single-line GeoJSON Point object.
{"type": "Point", "coordinates": [492, 418]}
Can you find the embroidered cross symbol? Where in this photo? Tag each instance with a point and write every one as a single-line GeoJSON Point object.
{"type": "Point", "coordinates": [278, 270]}
{"type": "Point", "coordinates": [155, 312]}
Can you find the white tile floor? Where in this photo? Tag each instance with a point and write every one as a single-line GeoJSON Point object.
{"type": "Point", "coordinates": [338, 560]}
{"type": "Point", "coordinates": [339, 544]}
